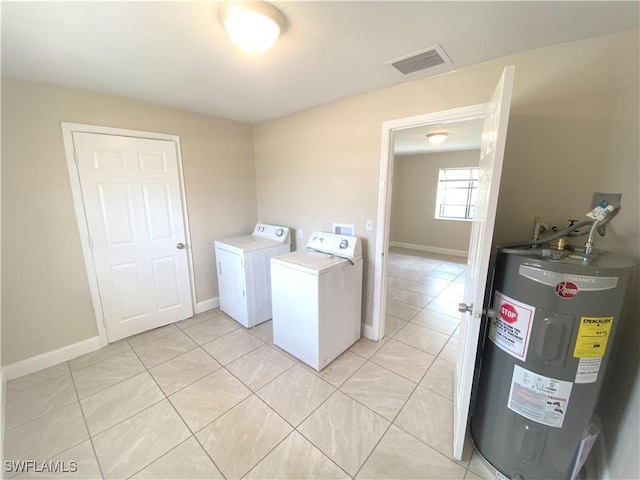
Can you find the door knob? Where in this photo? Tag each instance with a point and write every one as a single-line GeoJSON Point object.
{"type": "Point", "coordinates": [180, 246]}
{"type": "Point", "coordinates": [464, 308]}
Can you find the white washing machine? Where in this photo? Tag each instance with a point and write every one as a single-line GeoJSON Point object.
{"type": "Point", "coordinates": [317, 298]}
{"type": "Point", "coordinates": [244, 281]}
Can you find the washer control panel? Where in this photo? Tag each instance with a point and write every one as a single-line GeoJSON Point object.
{"type": "Point", "coordinates": [274, 232]}
{"type": "Point", "coordinates": [335, 244]}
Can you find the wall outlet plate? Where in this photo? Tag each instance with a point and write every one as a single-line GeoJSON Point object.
{"type": "Point", "coordinates": [344, 229]}
{"type": "Point", "coordinates": [610, 199]}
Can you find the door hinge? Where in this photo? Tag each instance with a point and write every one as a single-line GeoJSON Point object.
{"type": "Point", "coordinates": [243, 294]}
{"type": "Point", "coordinates": [91, 243]}
{"type": "Point", "coordinates": [75, 157]}
{"type": "Point", "coordinates": [104, 322]}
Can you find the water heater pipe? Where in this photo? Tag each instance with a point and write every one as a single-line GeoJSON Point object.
{"type": "Point", "coordinates": [570, 231]}
{"type": "Point", "coordinates": [606, 217]}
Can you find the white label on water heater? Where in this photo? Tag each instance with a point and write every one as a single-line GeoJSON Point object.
{"type": "Point", "coordinates": [510, 329]}
{"type": "Point", "coordinates": [540, 399]}
{"type": "Point", "coordinates": [588, 369]}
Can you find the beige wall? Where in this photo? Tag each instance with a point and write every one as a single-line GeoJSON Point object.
{"type": "Point", "coordinates": [46, 303]}
{"type": "Point", "coordinates": [414, 195]}
{"type": "Point", "coordinates": [573, 130]}
{"type": "Point", "coordinates": [573, 110]}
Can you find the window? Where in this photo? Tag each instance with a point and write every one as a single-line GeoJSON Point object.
{"type": "Point", "coordinates": [457, 193]}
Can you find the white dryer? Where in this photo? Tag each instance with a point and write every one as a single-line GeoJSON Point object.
{"type": "Point", "coordinates": [244, 281]}
{"type": "Point", "coordinates": [317, 298]}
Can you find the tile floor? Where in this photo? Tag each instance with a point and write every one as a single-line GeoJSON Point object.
{"type": "Point", "coordinates": [206, 398]}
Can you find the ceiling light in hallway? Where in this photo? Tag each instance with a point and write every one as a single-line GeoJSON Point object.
{"type": "Point", "coordinates": [437, 138]}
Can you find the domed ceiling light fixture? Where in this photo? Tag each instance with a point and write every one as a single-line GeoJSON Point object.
{"type": "Point", "coordinates": [253, 26]}
{"type": "Point", "coordinates": [437, 138]}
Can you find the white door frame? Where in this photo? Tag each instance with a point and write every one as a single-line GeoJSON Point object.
{"type": "Point", "coordinates": [384, 197]}
{"type": "Point", "coordinates": [78, 206]}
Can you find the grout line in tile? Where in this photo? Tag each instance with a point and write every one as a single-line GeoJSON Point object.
{"type": "Point", "coordinates": [391, 422]}
{"type": "Point", "coordinates": [405, 343]}
{"type": "Point", "coordinates": [418, 385]}
{"type": "Point", "coordinates": [128, 339]}
{"type": "Point", "coordinates": [271, 381]}
{"type": "Point", "coordinates": [311, 441]}
{"type": "Point", "coordinates": [217, 338]}
{"type": "Point", "coordinates": [9, 395]}
{"type": "Point", "coordinates": [400, 411]}
{"type": "Point", "coordinates": [207, 453]}
{"type": "Point", "coordinates": [241, 356]}
{"type": "Point", "coordinates": [275, 446]}
{"type": "Point", "coordinates": [86, 426]}
{"type": "Point", "coordinates": [40, 415]}
{"type": "Point", "coordinates": [172, 358]}
{"type": "Point", "coordinates": [115, 354]}
{"type": "Point", "coordinates": [180, 327]}
{"type": "Point", "coordinates": [234, 376]}
{"type": "Point", "coordinates": [108, 386]}
{"type": "Point", "coordinates": [90, 437]}
{"type": "Point", "coordinates": [208, 423]}
{"type": "Point", "coordinates": [368, 408]}
{"type": "Point", "coordinates": [399, 374]}
{"type": "Point", "coordinates": [125, 419]}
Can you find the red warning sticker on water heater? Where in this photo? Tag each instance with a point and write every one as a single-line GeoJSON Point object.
{"type": "Point", "coordinates": [508, 313]}
{"type": "Point", "coordinates": [510, 329]}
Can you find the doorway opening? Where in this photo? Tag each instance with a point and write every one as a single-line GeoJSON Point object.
{"type": "Point", "coordinates": [402, 137]}
{"type": "Point", "coordinates": [494, 134]}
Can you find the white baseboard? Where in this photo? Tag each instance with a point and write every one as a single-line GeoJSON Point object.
{"type": "Point", "coordinates": [207, 305]}
{"type": "Point", "coordinates": [49, 359]}
{"type": "Point", "coordinates": [426, 248]}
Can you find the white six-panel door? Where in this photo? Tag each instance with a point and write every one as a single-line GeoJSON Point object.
{"type": "Point", "coordinates": [131, 194]}
{"type": "Point", "coordinates": [494, 138]}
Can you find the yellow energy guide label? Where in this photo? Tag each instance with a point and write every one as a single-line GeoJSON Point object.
{"type": "Point", "coordinates": [592, 337]}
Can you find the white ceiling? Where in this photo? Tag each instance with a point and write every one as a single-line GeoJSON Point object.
{"type": "Point", "coordinates": [177, 54]}
{"type": "Point", "coordinates": [463, 135]}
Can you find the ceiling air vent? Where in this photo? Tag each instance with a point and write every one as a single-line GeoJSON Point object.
{"type": "Point", "coordinates": [415, 62]}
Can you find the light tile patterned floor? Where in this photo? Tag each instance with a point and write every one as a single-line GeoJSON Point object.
{"type": "Point", "coordinates": [206, 398]}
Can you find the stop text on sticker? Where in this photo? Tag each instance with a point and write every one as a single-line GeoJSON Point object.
{"type": "Point", "coordinates": [508, 313]}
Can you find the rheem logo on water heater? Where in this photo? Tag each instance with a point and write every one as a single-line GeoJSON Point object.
{"type": "Point", "coordinates": [566, 289]}
{"type": "Point", "coordinates": [508, 313]}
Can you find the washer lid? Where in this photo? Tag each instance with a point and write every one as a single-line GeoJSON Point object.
{"type": "Point", "coordinates": [309, 261]}
{"type": "Point", "coordinates": [248, 243]}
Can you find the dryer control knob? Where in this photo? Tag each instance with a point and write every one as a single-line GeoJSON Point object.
{"type": "Point", "coordinates": [344, 244]}
{"type": "Point", "coordinates": [279, 232]}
